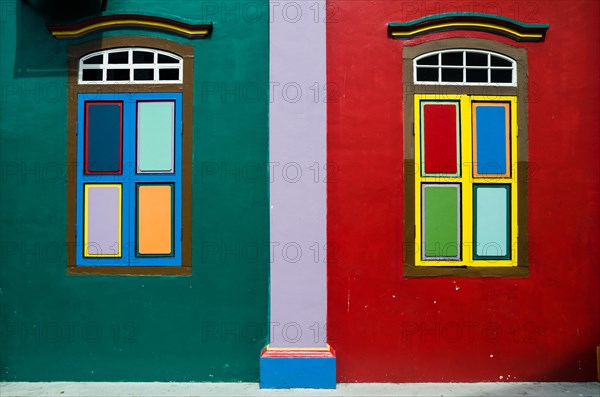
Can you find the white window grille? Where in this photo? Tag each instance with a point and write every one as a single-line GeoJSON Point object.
{"type": "Point", "coordinates": [135, 65]}
{"type": "Point", "coordinates": [465, 67]}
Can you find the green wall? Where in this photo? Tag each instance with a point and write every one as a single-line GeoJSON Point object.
{"type": "Point", "coordinates": [209, 326]}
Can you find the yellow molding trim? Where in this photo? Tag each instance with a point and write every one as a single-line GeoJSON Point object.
{"type": "Point", "coordinates": [130, 21]}
{"type": "Point", "coordinates": [459, 25]}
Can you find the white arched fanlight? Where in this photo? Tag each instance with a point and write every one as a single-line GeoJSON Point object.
{"type": "Point", "coordinates": [133, 65]}
{"type": "Point", "coordinates": [465, 67]}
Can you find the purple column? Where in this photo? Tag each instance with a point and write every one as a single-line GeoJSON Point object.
{"type": "Point", "coordinates": [298, 198]}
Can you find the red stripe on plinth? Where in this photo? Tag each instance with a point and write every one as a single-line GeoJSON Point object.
{"type": "Point", "coordinates": [296, 353]}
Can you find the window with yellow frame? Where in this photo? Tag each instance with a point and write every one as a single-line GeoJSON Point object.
{"type": "Point", "coordinates": [465, 159]}
{"type": "Point", "coordinates": [466, 193]}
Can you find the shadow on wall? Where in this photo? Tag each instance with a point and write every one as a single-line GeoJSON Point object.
{"type": "Point", "coordinates": [38, 54]}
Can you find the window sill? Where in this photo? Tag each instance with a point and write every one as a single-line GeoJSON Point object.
{"type": "Point", "coordinates": [411, 271]}
{"type": "Point", "coordinates": [130, 270]}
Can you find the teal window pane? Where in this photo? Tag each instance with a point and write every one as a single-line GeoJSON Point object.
{"type": "Point", "coordinates": [155, 137]}
{"type": "Point", "coordinates": [492, 221]}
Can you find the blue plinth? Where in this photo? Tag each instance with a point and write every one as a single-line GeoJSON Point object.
{"type": "Point", "coordinates": [301, 371]}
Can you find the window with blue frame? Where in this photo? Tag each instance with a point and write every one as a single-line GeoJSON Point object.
{"type": "Point", "coordinates": [129, 204]}
{"type": "Point", "coordinates": [129, 179]}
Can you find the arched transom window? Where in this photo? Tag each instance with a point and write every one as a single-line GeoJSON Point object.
{"type": "Point", "coordinates": [130, 118]}
{"type": "Point", "coordinates": [135, 65]}
{"type": "Point", "coordinates": [465, 153]}
{"type": "Point", "coordinates": [468, 67]}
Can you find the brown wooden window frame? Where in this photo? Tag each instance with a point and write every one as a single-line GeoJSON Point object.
{"type": "Point", "coordinates": [75, 53]}
{"type": "Point", "coordinates": [520, 91]}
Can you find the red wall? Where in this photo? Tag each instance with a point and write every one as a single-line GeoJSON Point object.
{"type": "Point", "coordinates": [386, 328]}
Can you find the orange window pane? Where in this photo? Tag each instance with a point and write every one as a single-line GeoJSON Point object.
{"type": "Point", "coordinates": [155, 220]}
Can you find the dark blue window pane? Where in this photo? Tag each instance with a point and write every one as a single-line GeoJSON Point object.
{"type": "Point", "coordinates": [103, 138]}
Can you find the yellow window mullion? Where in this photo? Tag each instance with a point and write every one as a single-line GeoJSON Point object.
{"type": "Point", "coordinates": [466, 179]}
{"type": "Point", "coordinates": [498, 180]}
{"type": "Point", "coordinates": [417, 170]}
{"type": "Point", "coordinates": [435, 179]}
{"type": "Point", "coordinates": [514, 132]}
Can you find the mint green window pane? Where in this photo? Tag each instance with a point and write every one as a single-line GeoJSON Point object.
{"type": "Point", "coordinates": [492, 221]}
{"type": "Point", "coordinates": [441, 221]}
{"type": "Point", "coordinates": [155, 140]}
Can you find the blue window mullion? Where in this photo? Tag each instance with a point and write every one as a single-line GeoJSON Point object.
{"type": "Point", "coordinates": [80, 150]}
{"type": "Point", "coordinates": [174, 178]}
{"type": "Point", "coordinates": [83, 179]}
{"type": "Point", "coordinates": [178, 172]}
{"type": "Point", "coordinates": [128, 179]}
{"type": "Point", "coordinates": [129, 158]}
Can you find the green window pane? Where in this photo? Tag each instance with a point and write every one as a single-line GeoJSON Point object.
{"type": "Point", "coordinates": [440, 209]}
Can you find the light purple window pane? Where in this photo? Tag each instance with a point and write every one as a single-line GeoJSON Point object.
{"type": "Point", "coordinates": [102, 228]}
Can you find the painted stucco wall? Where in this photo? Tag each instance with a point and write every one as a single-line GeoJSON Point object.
{"type": "Point", "coordinates": [210, 326]}
{"type": "Point", "coordinates": [387, 328]}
